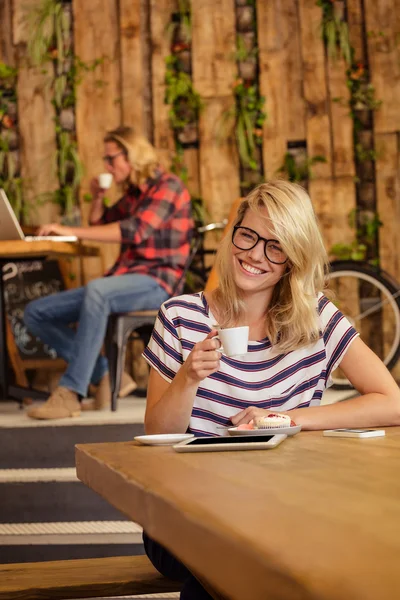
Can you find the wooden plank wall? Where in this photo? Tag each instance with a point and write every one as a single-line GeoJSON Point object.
{"type": "Point", "coordinates": [98, 109]}
{"type": "Point", "coordinates": [214, 72]}
{"type": "Point", "coordinates": [384, 56]}
{"type": "Point", "coordinates": [36, 123]}
{"type": "Point", "coordinates": [299, 81]}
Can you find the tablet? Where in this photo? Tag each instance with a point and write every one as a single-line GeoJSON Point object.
{"type": "Point", "coordinates": [225, 443]}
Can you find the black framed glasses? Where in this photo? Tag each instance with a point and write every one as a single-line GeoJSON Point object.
{"type": "Point", "coordinates": [246, 239]}
{"type": "Point", "coordinates": [109, 158]}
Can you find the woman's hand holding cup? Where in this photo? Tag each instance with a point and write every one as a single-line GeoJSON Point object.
{"type": "Point", "coordinates": [99, 185]}
{"type": "Point", "coordinates": [204, 358]}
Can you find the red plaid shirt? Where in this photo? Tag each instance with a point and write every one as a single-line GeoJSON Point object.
{"type": "Point", "coordinates": [156, 227]}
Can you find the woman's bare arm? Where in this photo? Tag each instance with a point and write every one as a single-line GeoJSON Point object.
{"type": "Point", "coordinates": [378, 404]}
{"type": "Point", "coordinates": [169, 405]}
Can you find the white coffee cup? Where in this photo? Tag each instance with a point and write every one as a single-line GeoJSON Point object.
{"type": "Point", "coordinates": [105, 180]}
{"type": "Point", "coordinates": [234, 340]}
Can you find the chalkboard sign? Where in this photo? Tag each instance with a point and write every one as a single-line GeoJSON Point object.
{"type": "Point", "coordinates": [23, 282]}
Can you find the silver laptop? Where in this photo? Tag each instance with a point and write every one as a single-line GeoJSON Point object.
{"type": "Point", "coordinates": [10, 229]}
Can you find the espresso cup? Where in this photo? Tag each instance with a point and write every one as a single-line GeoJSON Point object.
{"type": "Point", "coordinates": [234, 340]}
{"type": "Point", "coordinates": [105, 180]}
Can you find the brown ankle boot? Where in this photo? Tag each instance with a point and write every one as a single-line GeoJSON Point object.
{"type": "Point", "coordinates": [62, 403]}
{"type": "Point", "coordinates": [102, 398]}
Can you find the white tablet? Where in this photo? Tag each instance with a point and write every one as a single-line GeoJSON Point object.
{"type": "Point", "coordinates": [225, 443]}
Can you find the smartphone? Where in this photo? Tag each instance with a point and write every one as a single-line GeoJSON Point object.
{"type": "Point", "coordinates": [227, 443]}
{"type": "Point", "coordinates": [358, 433]}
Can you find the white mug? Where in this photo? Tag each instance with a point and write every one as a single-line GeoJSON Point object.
{"type": "Point", "coordinates": [234, 340]}
{"type": "Point", "coordinates": [105, 180]}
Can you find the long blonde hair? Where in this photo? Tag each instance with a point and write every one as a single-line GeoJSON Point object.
{"type": "Point", "coordinates": [291, 317]}
{"type": "Point", "coordinates": [141, 155]}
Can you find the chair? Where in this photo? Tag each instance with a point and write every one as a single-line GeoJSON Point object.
{"type": "Point", "coordinates": [121, 326]}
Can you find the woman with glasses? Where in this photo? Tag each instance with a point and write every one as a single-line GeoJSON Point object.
{"type": "Point", "coordinates": [271, 267]}
{"type": "Point", "coordinates": [152, 222]}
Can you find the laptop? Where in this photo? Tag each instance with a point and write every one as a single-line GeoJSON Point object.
{"type": "Point", "coordinates": [10, 229]}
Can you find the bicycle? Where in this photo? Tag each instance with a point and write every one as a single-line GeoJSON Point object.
{"type": "Point", "coordinates": [370, 298]}
{"type": "Point", "coordinates": [200, 268]}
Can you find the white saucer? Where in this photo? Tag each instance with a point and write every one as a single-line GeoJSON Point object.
{"type": "Point", "coordinates": [163, 439]}
{"type": "Point", "coordinates": [269, 431]}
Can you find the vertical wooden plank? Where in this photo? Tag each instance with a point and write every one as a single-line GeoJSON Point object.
{"type": "Point", "coordinates": [341, 121]}
{"type": "Point", "coordinates": [7, 53]}
{"type": "Point", "coordinates": [382, 21]}
{"type": "Point", "coordinates": [272, 39]}
{"type": "Point", "coordinates": [388, 201]}
{"type": "Point", "coordinates": [160, 17]}
{"type": "Point", "coordinates": [214, 71]}
{"type": "Point", "coordinates": [333, 199]}
{"type": "Point", "coordinates": [36, 127]}
{"type": "Point", "coordinates": [388, 208]}
{"type": "Point", "coordinates": [132, 77]}
{"type": "Point", "coordinates": [191, 162]}
{"type": "Point", "coordinates": [315, 87]}
{"type": "Point", "coordinates": [98, 107]}
{"type": "Point", "coordinates": [296, 109]}
{"type": "Point", "coordinates": [213, 45]}
{"type": "Point", "coordinates": [355, 19]}
{"type": "Point", "coordinates": [219, 166]}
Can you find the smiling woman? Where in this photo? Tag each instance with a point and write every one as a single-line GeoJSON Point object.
{"type": "Point", "coordinates": [271, 268]}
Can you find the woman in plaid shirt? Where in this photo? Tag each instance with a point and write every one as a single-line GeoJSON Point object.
{"type": "Point", "coordinates": [153, 223]}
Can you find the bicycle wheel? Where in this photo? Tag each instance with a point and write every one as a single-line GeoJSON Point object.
{"type": "Point", "coordinates": [370, 299]}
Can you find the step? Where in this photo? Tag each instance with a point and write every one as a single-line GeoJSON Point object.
{"type": "Point", "coordinates": [42, 501]}
{"type": "Point", "coordinates": [30, 542]}
{"type": "Point", "coordinates": [30, 443]}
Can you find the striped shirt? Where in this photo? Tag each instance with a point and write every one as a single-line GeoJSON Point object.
{"type": "Point", "coordinates": [261, 378]}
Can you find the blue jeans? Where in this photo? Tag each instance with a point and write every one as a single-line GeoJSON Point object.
{"type": "Point", "coordinates": [172, 568]}
{"type": "Point", "coordinates": [50, 318]}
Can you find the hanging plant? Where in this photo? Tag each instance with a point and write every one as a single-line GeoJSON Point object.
{"type": "Point", "coordinates": [299, 171]}
{"type": "Point", "coordinates": [185, 103]}
{"type": "Point", "coordinates": [183, 100]}
{"type": "Point", "coordinates": [245, 119]}
{"type": "Point", "coordinates": [10, 179]}
{"type": "Point", "coordinates": [50, 46]}
{"type": "Point", "coordinates": [334, 30]}
{"type": "Point", "coordinates": [366, 225]}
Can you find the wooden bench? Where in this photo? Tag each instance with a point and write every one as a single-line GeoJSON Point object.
{"type": "Point", "coordinates": [84, 578]}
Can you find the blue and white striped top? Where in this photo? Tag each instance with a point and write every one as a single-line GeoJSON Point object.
{"type": "Point", "coordinates": [261, 378]}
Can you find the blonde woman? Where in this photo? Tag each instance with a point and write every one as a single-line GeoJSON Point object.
{"type": "Point", "coordinates": [271, 278]}
{"type": "Point", "coordinates": [152, 222]}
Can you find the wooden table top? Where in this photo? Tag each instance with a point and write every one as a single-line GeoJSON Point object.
{"type": "Point", "coordinates": [314, 518]}
{"type": "Point", "coordinates": [21, 248]}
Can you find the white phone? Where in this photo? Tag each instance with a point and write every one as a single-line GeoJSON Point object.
{"type": "Point", "coordinates": [358, 433]}
{"type": "Point", "coordinates": [227, 443]}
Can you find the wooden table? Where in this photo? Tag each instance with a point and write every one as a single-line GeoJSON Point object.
{"type": "Point", "coordinates": [315, 518]}
{"type": "Point", "coordinates": [12, 250]}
